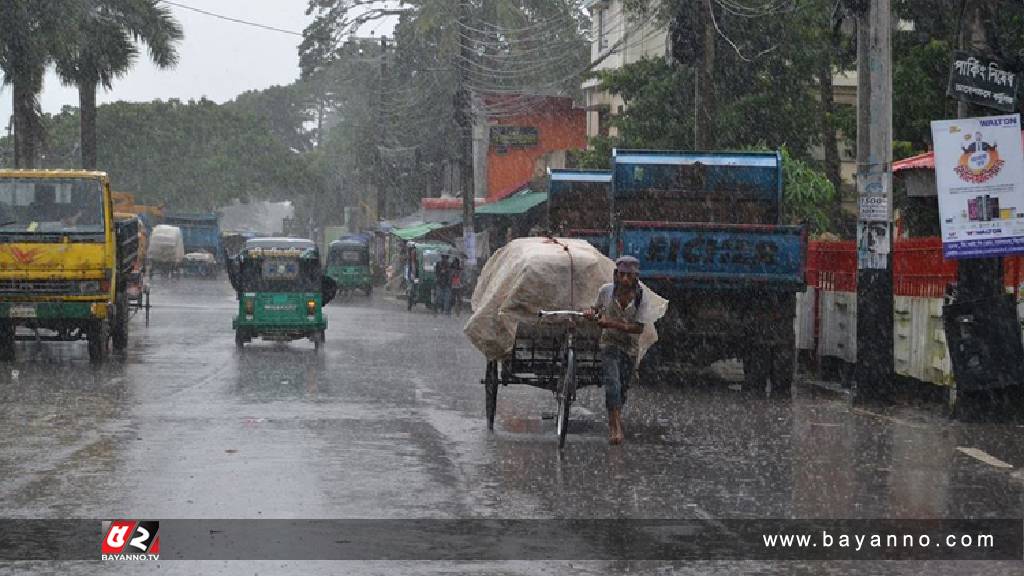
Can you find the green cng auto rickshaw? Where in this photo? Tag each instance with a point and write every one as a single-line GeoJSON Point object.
{"type": "Point", "coordinates": [420, 278]}
{"type": "Point", "coordinates": [348, 264]}
{"type": "Point", "coordinates": [281, 291]}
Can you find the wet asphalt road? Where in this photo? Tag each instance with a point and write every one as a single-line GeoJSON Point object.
{"type": "Point", "coordinates": [388, 423]}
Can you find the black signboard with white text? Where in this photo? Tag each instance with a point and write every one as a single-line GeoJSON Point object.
{"type": "Point", "coordinates": [983, 81]}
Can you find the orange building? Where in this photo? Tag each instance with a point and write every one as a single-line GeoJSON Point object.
{"type": "Point", "coordinates": [525, 145]}
{"type": "Point", "coordinates": [527, 135]}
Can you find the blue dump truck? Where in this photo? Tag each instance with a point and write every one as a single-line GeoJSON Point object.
{"type": "Point", "coordinates": [200, 232]}
{"type": "Point", "coordinates": [578, 205]}
{"type": "Point", "coordinates": [706, 229]}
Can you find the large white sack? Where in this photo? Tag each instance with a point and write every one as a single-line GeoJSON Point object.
{"type": "Point", "coordinates": [533, 274]}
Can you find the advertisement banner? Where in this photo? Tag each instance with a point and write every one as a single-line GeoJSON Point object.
{"type": "Point", "coordinates": [979, 174]}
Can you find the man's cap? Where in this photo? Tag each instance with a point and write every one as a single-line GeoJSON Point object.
{"type": "Point", "coordinates": [627, 264]}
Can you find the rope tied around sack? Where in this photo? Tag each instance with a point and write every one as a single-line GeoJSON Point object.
{"type": "Point", "coordinates": [572, 272]}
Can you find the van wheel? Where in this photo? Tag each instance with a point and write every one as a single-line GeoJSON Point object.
{"type": "Point", "coordinates": [98, 336]}
{"type": "Point", "coordinates": [6, 342]}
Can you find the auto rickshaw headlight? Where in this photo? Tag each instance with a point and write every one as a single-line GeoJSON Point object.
{"type": "Point", "coordinates": [250, 306]}
{"type": "Point", "coordinates": [98, 310]}
{"type": "Point", "coordinates": [311, 307]}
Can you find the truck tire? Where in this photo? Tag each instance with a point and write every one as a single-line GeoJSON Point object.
{"type": "Point", "coordinates": [756, 371]}
{"type": "Point", "coordinates": [240, 338]}
{"type": "Point", "coordinates": [783, 357]}
{"type": "Point", "coordinates": [6, 342]}
{"type": "Point", "coordinates": [98, 336]}
{"type": "Point", "coordinates": [119, 330]}
{"type": "Point", "coordinates": [782, 370]}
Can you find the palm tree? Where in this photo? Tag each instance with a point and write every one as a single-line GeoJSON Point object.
{"type": "Point", "coordinates": [31, 33]}
{"type": "Point", "coordinates": [106, 48]}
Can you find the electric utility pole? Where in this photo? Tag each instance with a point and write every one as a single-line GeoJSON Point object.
{"type": "Point", "coordinates": [382, 194]}
{"type": "Point", "coordinates": [978, 278]}
{"type": "Point", "coordinates": [874, 371]}
{"type": "Point", "coordinates": [704, 87]}
{"type": "Point", "coordinates": [464, 121]}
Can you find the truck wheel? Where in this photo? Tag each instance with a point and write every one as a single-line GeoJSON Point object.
{"type": "Point", "coordinates": [98, 336]}
{"type": "Point", "coordinates": [119, 331]}
{"type": "Point", "coordinates": [6, 342]}
{"type": "Point", "coordinates": [240, 338]}
{"type": "Point", "coordinates": [782, 370]}
{"type": "Point", "coordinates": [756, 370]}
{"type": "Point", "coordinates": [318, 339]}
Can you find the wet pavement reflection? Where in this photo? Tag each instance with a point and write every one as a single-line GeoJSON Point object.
{"type": "Point", "coordinates": [388, 422]}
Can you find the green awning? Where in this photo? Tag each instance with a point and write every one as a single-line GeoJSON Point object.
{"type": "Point", "coordinates": [514, 204]}
{"type": "Point", "coordinates": [417, 231]}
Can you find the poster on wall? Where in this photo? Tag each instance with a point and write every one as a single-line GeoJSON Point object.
{"type": "Point", "coordinates": [979, 174]}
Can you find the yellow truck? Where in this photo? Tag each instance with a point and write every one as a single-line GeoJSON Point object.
{"type": "Point", "coordinates": [64, 260]}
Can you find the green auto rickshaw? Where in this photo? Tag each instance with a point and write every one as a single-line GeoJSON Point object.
{"type": "Point", "coordinates": [421, 259]}
{"type": "Point", "coordinates": [348, 264]}
{"type": "Point", "coordinates": [281, 291]}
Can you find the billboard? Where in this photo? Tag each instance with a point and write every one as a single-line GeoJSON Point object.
{"type": "Point", "coordinates": [979, 174]}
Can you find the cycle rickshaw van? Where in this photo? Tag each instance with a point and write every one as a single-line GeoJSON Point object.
{"type": "Point", "coordinates": [281, 291]}
{"type": "Point", "coordinates": [348, 264]}
{"type": "Point", "coordinates": [424, 256]}
{"type": "Point", "coordinates": [528, 323]}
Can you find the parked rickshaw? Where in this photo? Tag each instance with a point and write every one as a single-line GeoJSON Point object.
{"type": "Point", "coordinates": [348, 264]}
{"type": "Point", "coordinates": [559, 353]}
{"type": "Point", "coordinates": [421, 282]}
{"type": "Point", "coordinates": [281, 291]}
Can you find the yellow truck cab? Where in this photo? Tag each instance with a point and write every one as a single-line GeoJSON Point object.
{"type": "Point", "coordinates": [63, 260]}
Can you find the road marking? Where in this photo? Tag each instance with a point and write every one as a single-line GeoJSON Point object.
{"type": "Point", "coordinates": [984, 457]}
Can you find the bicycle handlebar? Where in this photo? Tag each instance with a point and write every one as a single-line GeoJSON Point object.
{"type": "Point", "coordinates": [544, 313]}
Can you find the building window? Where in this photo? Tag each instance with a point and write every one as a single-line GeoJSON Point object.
{"type": "Point", "coordinates": [602, 39]}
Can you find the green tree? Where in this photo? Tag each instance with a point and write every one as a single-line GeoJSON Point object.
{"type": "Point", "coordinates": [105, 48]}
{"type": "Point", "coordinates": [195, 155]}
{"type": "Point", "coordinates": [32, 32]}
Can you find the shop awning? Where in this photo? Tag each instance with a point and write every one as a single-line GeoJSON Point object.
{"type": "Point", "coordinates": [417, 231]}
{"type": "Point", "coordinates": [515, 204]}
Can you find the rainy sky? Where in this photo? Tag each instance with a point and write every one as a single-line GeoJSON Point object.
{"type": "Point", "coordinates": [219, 59]}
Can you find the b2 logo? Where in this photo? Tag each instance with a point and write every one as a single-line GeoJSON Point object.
{"type": "Point", "coordinates": [131, 540]}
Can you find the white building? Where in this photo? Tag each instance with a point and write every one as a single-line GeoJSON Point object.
{"type": "Point", "coordinates": [619, 38]}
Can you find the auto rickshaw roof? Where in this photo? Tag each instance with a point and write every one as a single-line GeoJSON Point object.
{"type": "Point", "coordinates": [280, 243]}
{"type": "Point", "coordinates": [349, 243]}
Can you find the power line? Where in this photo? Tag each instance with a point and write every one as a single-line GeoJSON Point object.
{"type": "Point", "coordinates": [234, 20]}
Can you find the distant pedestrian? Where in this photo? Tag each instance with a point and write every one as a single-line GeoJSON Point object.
{"type": "Point", "coordinates": [456, 286]}
{"type": "Point", "coordinates": [443, 279]}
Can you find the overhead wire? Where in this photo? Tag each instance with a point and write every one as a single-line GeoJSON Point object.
{"type": "Point", "coordinates": [230, 18]}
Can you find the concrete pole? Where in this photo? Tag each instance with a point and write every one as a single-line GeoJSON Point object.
{"type": "Point", "coordinates": [874, 371]}
{"type": "Point", "coordinates": [464, 121]}
{"type": "Point", "coordinates": [978, 278]}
